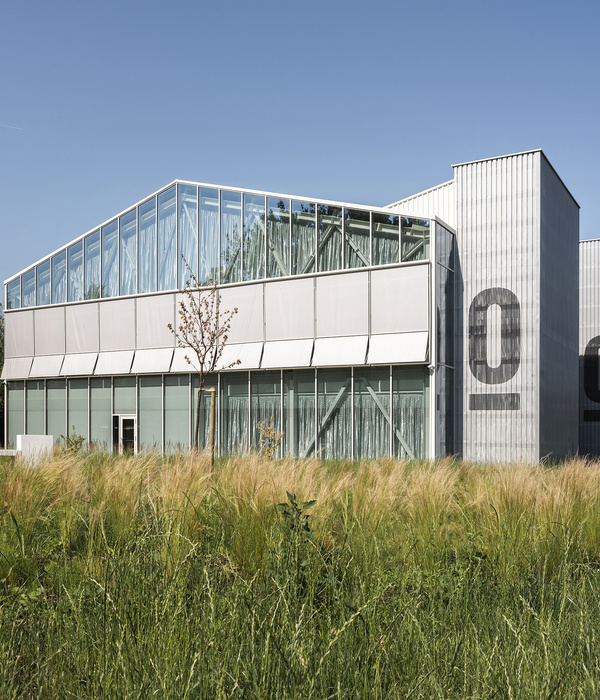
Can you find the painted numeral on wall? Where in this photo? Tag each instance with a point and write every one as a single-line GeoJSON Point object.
{"type": "Point", "coordinates": [591, 375]}
{"type": "Point", "coordinates": [510, 348]}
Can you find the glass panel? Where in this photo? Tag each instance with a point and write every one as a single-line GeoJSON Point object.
{"type": "Point", "coordinates": [415, 239]}
{"type": "Point", "coordinates": [124, 396]}
{"type": "Point", "coordinates": [100, 410]}
{"type": "Point", "coordinates": [92, 266]}
{"type": "Point", "coordinates": [254, 237]}
{"type": "Point", "coordinates": [78, 407]}
{"type": "Point", "coordinates": [167, 220]}
{"type": "Point", "coordinates": [177, 412]}
{"type": "Point", "coordinates": [334, 414]}
{"type": "Point", "coordinates": [357, 237]}
{"type": "Point", "coordinates": [43, 283]}
{"type": "Point", "coordinates": [59, 278]}
{"type": "Point", "coordinates": [35, 407]}
{"type": "Point", "coordinates": [208, 267]}
{"type": "Point", "coordinates": [15, 406]}
{"type": "Point", "coordinates": [371, 413]}
{"type": "Point", "coordinates": [278, 237]}
{"type": "Point", "coordinates": [110, 260]}
{"type": "Point", "coordinates": [231, 230]}
{"type": "Point", "coordinates": [14, 294]}
{"type": "Point", "coordinates": [187, 234]}
{"type": "Point", "coordinates": [150, 418]}
{"type": "Point", "coordinates": [75, 254]}
{"type": "Point", "coordinates": [56, 407]}
{"type": "Point", "coordinates": [266, 404]}
{"type": "Point", "coordinates": [303, 238]}
{"type": "Point", "coordinates": [386, 239]}
{"type": "Point", "coordinates": [205, 397]}
{"type": "Point", "coordinates": [147, 247]}
{"type": "Point", "coordinates": [329, 238]}
{"type": "Point", "coordinates": [28, 288]}
{"type": "Point", "coordinates": [128, 255]}
{"type": "Point", "coordinates": [234, 413]}
{"type": "Point", "coordinates": [409, 412]}
{"type": "Point", "coordinates": [299, 406]}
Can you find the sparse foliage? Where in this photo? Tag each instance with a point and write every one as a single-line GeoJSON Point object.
{"type": "Point", "coordinates": [73, 442]}
{"type": "Point", "coordinates": [203, 330]}
{"type": "Point", "coordinates": [270, 438]}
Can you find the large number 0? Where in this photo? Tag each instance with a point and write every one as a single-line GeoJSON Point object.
{"type": "Point", "coordinates": [591, 374]}
{"type": "Point", "coordinates": [510, 347]}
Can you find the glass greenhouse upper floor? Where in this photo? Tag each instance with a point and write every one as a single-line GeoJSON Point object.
{"type": "Point", "coordinates": [224, 235]}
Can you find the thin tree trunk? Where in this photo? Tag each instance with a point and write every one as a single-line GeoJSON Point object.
{"type": "Point", "coordinates": [198, 400]}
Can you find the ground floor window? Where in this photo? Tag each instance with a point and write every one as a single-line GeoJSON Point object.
{"type": "Point", "coordinates": [361, 412]}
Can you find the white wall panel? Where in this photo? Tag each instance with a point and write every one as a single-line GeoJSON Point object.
{"type": "Point", "coordinates": [179, 365]}
{"type": "Point", "coordinates": [80, 365]}
{"type": "Point", "coordinates": [247, 325]}
{"type": "Point", "coordinates": [342, 304]}
{"type": "Point", "coordinates": [46, 366]}
{"type": "Point", "coordinates": [82, 328]}
{"type": "Point", "coordinates": [340, 352]}
{"type": "Point", "coordinates": [400, 299]}
{"type": "Point", "coordinates": [16, 368]}
{"type": "Point", "coordinates": [18, 334]}
{"type": "Point", "coordinates": [49, 325]}
{"type": "Point", "coordinates": [153, 315]}
{"type": "Point", "coordinates": [117, 325]}
{"type": "Point", "coordinates": [398, 348]}
{"type": "Point", "coordinates": [248, 354]}
{"type": "Point", "coordinates": [114, 362]}
{"type": "Point", "coordinates": [287, 353]}
{"type": "Point", "coordinates": [155, 361]}
{"type": "Point", "coordinates": [290, 309]}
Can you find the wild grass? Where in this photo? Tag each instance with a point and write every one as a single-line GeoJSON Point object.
{"type": "Point", "coordinates": [135, 577]}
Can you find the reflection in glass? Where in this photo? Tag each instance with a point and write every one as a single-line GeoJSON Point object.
{"type": "Point", "coordinates": [92, 266]}
{"type": "Point", "coordinates": [110, 260]}
{"type": "Point", "coordinates": [43, 283]}
{"type": "Point", "coordinates": [208, 261]}
{"type": "Point", "coordinates": [128, 254]}
{"type": "Point", "coordinates": [28, 288]}
{"type": "Point", "coordinates": [231, 231]}
{"type": "Point", "coordinates": [177, 412]}
{"type": "Point", "coordinates": [34, 395]}
{"type": "Point", "coordinates": [265, 404]}
{"type": "Point", "coordinates": [187, 234]}
{"type": "Point", "coordinates": [147, 247]}
{"type": "Point", "coordinates": [386, 239]}
{"type": "Point", "coordinates": [278, 237]}
{"type": "Point", "coordinates": [329, 251]}
{"type": "Point", "coordinates": [234, 413]}
{"type": "Point", "coordinates": [371, 413]}
{"type": "Point", "coordinates": [334, 413]}
{"type": "Point", "coordinates": [357, 237]}
{"type": "Point", "coordinates": [150, 412]}
{"type": "Point", "coordinates": [15, 412]}
{"type": "Point", "coordinates": [204, 422]}
{"type": "Point", "coordinates": [100, 410]}
{"type": "Point", "coordinates": [77, 406]}
{"type": "Point", "coordinates": [167, 219]}
{"type": "Point", "coordinates": [59, 278]}
{"type": "Point", "coordinates": [56, 408]}
{"type": "Point", "coordinates": [75, 257]}
{"type": "Point", "coordinates": [415, 239]}
{"type": "Point", "coordinates": [303, 238]}
{"type": "Point", "coordinates": [299, 408]}
{"type": "Point", "coordinates": [408, 412]}
{"type": "Point", "coordinates": [13, 293]}
{"type": "Point", "coordinates": [254, 237]}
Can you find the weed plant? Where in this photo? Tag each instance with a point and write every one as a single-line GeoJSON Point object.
{"type": "Point", "coordinates": [150, 576]}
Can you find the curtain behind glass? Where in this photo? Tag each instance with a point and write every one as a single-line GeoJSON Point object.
{"type": "Point", "coordinates": [147, 247]}
{"type": "Point", "coordinates": [14, 294]}
{"type": "Point", "coordinates": [110, 260]}
{"type": "Point", "coordinates": [266, 404]}
{"type": "Point", "coordinates": [35, 407]}
{"type": "Point", "coordinates": [231, 236]}
{"type": "Point", "coordinates": [208, 261]}
{"type": "Point", "coordinates": [204, 429]}
{"type": "Point", "coordinates": [254, 237]}
{"type": "Point", "coordinates": [415, 239]}
{"type": "Point", "coordinates": [92, 282]}
{"type": "Point", "coordinates": [75, 257]}
{"type": "Point", "coordinates": [77, 407]}
{"type": "Point", "coordinates": [187, 234]}
{"type": "Point", "coordinates": [234, 413]}
{"type": "Point", "coordinates": [43, 283]}
{"type": "Point", "coordinates": [299, 407]}
{"type": "Point", "coordinates": [409, 411]}
{"type": "Point", "coordinates": [150, 413]}
{"type": "Point", "coordinates": [56, 408]}
{"type": "Point", "coordinates": [334, 414]}
{"type": "Point", "coordinates": [100, 413]}
{"type": "Point", "coordinates": [15, 416]}
{"type": "Point", "coordinates": [303, 238]}
{"type": "Point", "coordinates": [28, 288]}
{"type": "Point", "coordinates": [59, 278]}
{"type": "Point", "coordinates": [128, 256]}
{"type": "Point", "coordinates": [167, 224]}
{"type": "Point", "coordinates": [357, 237]}
{"type": "Point", "coordinates": [278, 237]}
{"type": "Point", "coordinates": [371, 413]}
{"type": "Point", "coordinates": [329, 250]}
{"type": "Point", "coordinates": [177, 412]}
{"type": "Point", "coordinates": [386, 239]}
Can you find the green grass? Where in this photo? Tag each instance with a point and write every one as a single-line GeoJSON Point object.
{"type": "Point", "coordinates": [151, 577]}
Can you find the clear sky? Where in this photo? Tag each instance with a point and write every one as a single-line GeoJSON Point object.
{"type": "Point", "coordinates": [101, 103]}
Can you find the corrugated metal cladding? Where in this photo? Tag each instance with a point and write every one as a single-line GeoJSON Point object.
{"type": "Point", "coordinates": [498, 205]}
{"type": "Point", "coordinates": [559, 301]}
{"type": "Point", "coordinates": [589, 344]}
{"type": "Point", "coordinates": [440, 200]}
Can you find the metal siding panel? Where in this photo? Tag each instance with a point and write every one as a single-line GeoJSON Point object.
{"type": "Point", "coordinates": [498, 239]}
{"type": "Point", "coordinates": [589, 328]}
{"type": "Point", "coordinates": [438, 201]}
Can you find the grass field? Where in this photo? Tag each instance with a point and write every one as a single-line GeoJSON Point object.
{"type": "Point", "coordinates": [139, 577]}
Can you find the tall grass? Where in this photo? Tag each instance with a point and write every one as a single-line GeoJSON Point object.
{"type": "Point", "coordinates": [135, 577]}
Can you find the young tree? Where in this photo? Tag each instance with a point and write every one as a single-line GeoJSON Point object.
{"type": "Point", "coordinates": [203, 330]}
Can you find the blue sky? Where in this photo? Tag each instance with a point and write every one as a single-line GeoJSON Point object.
{"type": "Point", "coordinates": [101, 103]}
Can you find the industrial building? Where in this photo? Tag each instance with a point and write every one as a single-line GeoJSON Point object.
{"type": "Point", "coordinates": [445, 323]}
